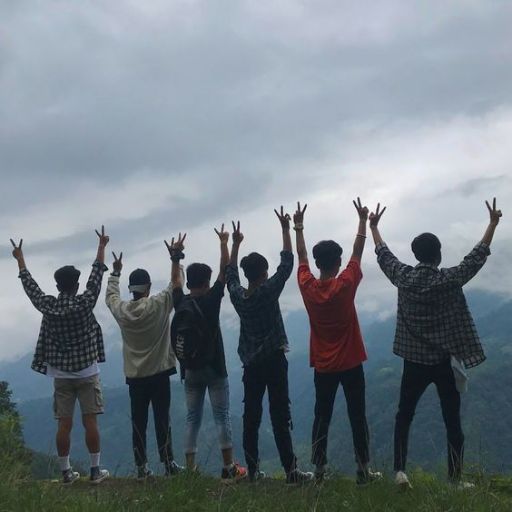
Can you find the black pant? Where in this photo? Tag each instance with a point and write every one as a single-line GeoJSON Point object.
{"type": "Point", "coordinates": [326, 386]}
{"type": "Point", "coordinates": [271, 373]}
{"type": "Point", "coordinates": [415, 380]}
{"type": "Point", "coordinates": [154, 390]}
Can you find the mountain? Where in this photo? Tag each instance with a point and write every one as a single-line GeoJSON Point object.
{"type": "Point", "coordinates": [487, 411]}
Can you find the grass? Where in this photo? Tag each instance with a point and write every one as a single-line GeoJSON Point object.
{"type": "Point", "coordinates": [196, 493]}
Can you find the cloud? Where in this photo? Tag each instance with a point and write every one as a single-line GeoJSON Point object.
{"type": "Point", "coordinates": [160, 117]}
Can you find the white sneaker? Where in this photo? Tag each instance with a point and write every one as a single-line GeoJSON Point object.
{"type": "Point", "coordinates": [402, 481]}
{"type": "Point", "coordinates": [464, 486]}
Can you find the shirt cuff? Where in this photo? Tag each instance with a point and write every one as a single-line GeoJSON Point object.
{"type": "Point", "coordinates": [24, 273]}
{"type": "Point", "coordinates": [483, 247]}
{"type": "Point", "coordinates": [380, 246]}
{"type": "Point", "coordinates": [114, 277]}
{"type": "Point", "coordinates": [102, 266]}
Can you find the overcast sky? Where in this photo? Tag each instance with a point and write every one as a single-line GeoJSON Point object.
{"type": "Point", "coordinates": [166, 116]}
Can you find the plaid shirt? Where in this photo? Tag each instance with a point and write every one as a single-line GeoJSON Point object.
{"type": "Point", "coordinates": [70, 338]}
{"type": "Point", "coordinates": [433, 319]}
{"type": "Point", "coordinates": [261, 324]}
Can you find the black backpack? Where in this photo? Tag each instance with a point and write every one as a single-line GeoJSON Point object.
{"type": "Point", "coordinates": [193, 339]}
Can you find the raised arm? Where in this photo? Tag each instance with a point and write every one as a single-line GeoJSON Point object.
{"type": "Point", "coordinates": [284, 219]}
{"type": "Point", "coordinates": [17, 253]}
{"type": "Point", "coordinates": [358, 249]}
{"type": "Point", "coordinates": [93, 286]}
{"type": "Point", "coordinates": [176, 249]}
{"type": "Point", "coordinates": [224, 253]}
{"type": "Point", "coordinates": [494, 219]}
{"type": "Point", "coordinates": [298, 221]}
{"type": "Point", "coordinates": [113, 296]}
{"type": "Point", "coordinates": [102, 243]}
{"type": "Point", "coordinates": [374, 224]}
{"type": "Point", "coordinates": [237, 240]}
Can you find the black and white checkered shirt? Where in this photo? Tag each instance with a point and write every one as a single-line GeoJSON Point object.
{"type": "Point", "coordinates": [70, 338]}
{"type": "Point", "coordinates": [433, 319]}
{"type": "Point", "coordinates": [261, 324]}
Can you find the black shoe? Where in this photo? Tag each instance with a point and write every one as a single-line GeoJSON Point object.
{"type": "Point", "coordinates": [320, 473]}
{"type": "Point", "coordinates": [144, 472]}
{"type": "Point", "coordinates": [98, 475]}
{"type": "Point", "coordinates": [69, 476]}
{"type": "Point", "coordinates": [367, 476]}
{"type": "Point", "coordinates": [296, 476]}
{"type": "Point", "coordinates": [172, 468]}
{"type": "Point", "coordinates": [257, 476]}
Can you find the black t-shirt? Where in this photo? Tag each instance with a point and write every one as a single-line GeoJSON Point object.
{"type": "Point", "coordinates": [210, 306]}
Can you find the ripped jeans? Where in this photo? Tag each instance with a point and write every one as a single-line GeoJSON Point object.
{"type": "Point", "coordinates": [196, 384]}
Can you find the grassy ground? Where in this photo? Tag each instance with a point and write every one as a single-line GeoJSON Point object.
{"type": "Point", "coordinates": [196, 493]}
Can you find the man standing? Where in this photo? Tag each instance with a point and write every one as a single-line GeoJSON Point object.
{"type": "Point", "coordinates": [262, 347]}
{"type": "Point", "coordinates": [69, 348]}
{"type": "Point", "coordinates": [197, 338]}
{"type": "Point", "coordinates": [435, 335]}
{"type": "Point", "coordinates": [148, 361]}
{"type": "Point", "coordinates": [336, 346]}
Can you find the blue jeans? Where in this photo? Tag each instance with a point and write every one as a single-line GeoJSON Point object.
{"type": "Point", "coordinates": [196, 383]}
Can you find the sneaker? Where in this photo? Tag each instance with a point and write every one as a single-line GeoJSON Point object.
{"type": "Point", "coordinates": [69, 476]}
{"type": "Point", "coordinates": [320, 473]}
{"type": "Point", "coordinates": [367, 476]}
{"type": "Point", "coordinates": [98, 475]}
{"type": "Point", "coordinates": [296, 476]}
{"type": "Point", "coordinates": [402, 481]}
{"type": "Point", "coordinates": [257, 476]}
{"type": "Point", "coordinates": [234, 474]}
{"type": "Point", "coordinates": [173, 468]}
{"type": "Point", "coordinates": [144, 472]}
{"type": "Point", "coordinates": [464, 486]}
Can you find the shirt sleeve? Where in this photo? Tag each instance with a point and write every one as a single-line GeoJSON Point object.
{"type": "Point", "coordinates": [93, 287]}
{"type": "Point", "coordinates": [233, 283]}
{"type": "Point", "coordinates": [113, 297]}
{"type": "Point", "coordinates": [304, 277]}
{"type": "Point", "coordinates": [469, 266]}
{"type": "Point", "coordinates": [177, 296]}
{"type": "Point", "coordinates": [274, 286]}
{"type": "Point", "coordinates": [40, 301]}
{"type": "Point", "coordinates": [392, 267]}
{"type": "Point", "coordinates": [351, 276]}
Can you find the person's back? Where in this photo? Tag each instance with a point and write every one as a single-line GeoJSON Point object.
{"type": "Point", "coordinates": [148, 361]}
{"type": "Point", "coordinates": [145, 326]}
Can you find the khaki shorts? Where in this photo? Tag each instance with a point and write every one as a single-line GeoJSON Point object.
{"type": "Point", "coordinates": [86, 390]}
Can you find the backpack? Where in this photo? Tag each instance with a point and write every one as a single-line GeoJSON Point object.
{"type": "Point", "coordinates": [192, 339]}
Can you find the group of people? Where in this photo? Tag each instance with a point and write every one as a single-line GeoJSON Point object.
{"type": "Point", "coordinates": [435, 335]}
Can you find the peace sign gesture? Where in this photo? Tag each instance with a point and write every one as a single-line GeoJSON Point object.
{"type": "Point", "coordinates": [375, 217]}
{"type": "Point", "coordinates": [298, 216]}
{"type": "Point", "coordinates": [17, 252]}
{"type": "Point", "coordinates": [361, 210]}
{"type": "Point", "coordinates": [223, 235]}
{"type": "Point", "coordinates": [103, 239]}
{"type": "Point", "coordinates": [494, 214]}
{"type": "Point", "coordinates": [284, 218]}
{"type": "Point", "coordinates": [118, 263]}
{"type": "Point", "coordinates": [176, 247]}
{"type": "Point", "coordinates": [238, 236]}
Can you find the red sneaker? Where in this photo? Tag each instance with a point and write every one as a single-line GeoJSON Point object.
{"type": "Point", "coordinates": [234, 474]}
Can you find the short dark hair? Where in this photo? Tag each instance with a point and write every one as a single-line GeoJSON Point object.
{"type": "Point", "coordinates": [254, 266]}
{"type": "Point", "coordinates": [198, 274]}
{"type": "Point", "coordinates": [427, 248]}
{"type": "Point", "coordinates": [66, 278]}
{"type": "Point", "coordinates": [327, 254]}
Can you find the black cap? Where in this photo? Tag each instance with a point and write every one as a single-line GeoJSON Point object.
{"type": "Point", "coordinates": [139, 276]}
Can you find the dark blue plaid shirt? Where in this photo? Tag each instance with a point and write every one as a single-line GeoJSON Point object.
{"type": "Point", "coordinates": [70, 338]}
{"type": "Point", "coordinates": [433, 319]}
{"type": "Point", "coordinates": [261, 324]}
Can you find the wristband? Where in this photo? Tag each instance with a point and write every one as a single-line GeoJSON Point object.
{"type": "Point", "coordinates": [176, 256]}
{"type": "Point", "coordinates": [299, 226]}
{"type": "Point", "coordinates": [362, 236]}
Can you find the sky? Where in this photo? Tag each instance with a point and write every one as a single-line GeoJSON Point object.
{"type": "Point", "coordinates": [158, 117]}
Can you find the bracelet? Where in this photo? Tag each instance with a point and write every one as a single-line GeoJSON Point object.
{"type": "Point", "coordinates": [177, 256]}
{"type": "Point", "coordinates": [362, 236]}
{"type": "Point", "coordinates": [299, 226]}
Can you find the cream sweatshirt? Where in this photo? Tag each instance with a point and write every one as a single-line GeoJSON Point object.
{"type": "Point", "coordinates": [145, 329]}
